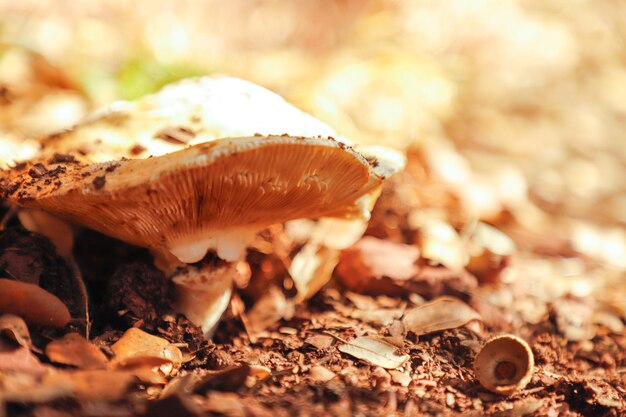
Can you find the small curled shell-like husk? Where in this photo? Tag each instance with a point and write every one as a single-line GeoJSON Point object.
{"type": "Point", "coordinates": [504, 364]}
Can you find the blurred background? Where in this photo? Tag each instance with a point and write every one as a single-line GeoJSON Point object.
{"type": "Point", "coordinates": [511, 112]}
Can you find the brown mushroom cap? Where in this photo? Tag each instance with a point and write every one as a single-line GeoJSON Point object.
{"type": "Point", "coordinates": [211, 195]}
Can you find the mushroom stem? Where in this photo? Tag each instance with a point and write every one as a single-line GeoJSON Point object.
{"type": "Point", "coordinates": [203, 294]}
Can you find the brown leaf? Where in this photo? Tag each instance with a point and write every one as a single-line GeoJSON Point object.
{"type": "Point", "coordinates": [320, 341]}
{"type": "Point", "coordinates": [375, 351]}
{"type": "Point", "coordinates": [15, 329]}
{"type": "Point", "coordinates": [136, 343]}
{"type": "Point", "coordinates": [229, 379]}
{"type": "Point", "coordinates": [271, 308]}
{"type": "Point", "coordinates": [93, 385]}
{"type": "Point", "coordinates": [19, 359]}
{"type": "Point", "coordinates": [373, 259]}
{"type": "Point", "coordinates": [34, 304]}
{"type": "Point", "coordinates": [312, 268]}
{"type": "Point", "coordinates": [440, 314]}
{"type": "Point", "coordinates": [75, 350]}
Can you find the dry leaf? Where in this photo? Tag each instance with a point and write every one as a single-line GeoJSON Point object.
{"type": "Point", "coordinates": [268, 310]}
{"type": "Point", "coordinates": [312, 268]}
{"type": "Point", "coordinates": [440, 314]}
{"type": "Point", "coordinates": [402, 378]}
{"type": "Point", "coordinates": [93, 384]}
{"type": "Point", "coordinates": [75, 350]}
{"type": "Point", "coordinates": [15, 329]}
{"type": "Point", "coordinates": [574, 319]}
{"type": "Point", "coordinates": [490, 253]}
{"type": "Point", "coordinates": [229, 379]}
{"type": "Point", "coordinates": [135, 342]}
{"type": "Point", "coordinates": [140, 348]}
{"type": "Point", "coordinates": [320, 341]}
{"type": "Point", "coordinates": [441, 244]}
{"type": "Point", "coordinates": [34, 304]}
{"type": "Point", "coordinates": [19, 359]}
{"type": "Point", "coordinates": [375, 351]}
{"type": "Point", "coordinates": [372, 259]}
{"type": "Point", "coordinates": [381, 316]}
{"type": "Point", "coordinates": [226, 403]}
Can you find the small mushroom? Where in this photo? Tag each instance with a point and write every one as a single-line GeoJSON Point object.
{"type": "Point", "coordinates": [504, 364]}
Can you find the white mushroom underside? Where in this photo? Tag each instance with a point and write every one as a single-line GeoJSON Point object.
{"type": "Point", "coordinates": [229, 244]}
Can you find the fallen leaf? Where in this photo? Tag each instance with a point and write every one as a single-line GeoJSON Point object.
{"type": "Point", "coordinates": [177, 404]}
{"type": "Point", "coordinates": [73, 349]}
{"type": "Point", "coordinates": [136, 343]}
{"type": "Point", "coordinates": [402, 378]}
{"type": "Point", "coordinates": [381, 316]}
{"type": "Point", "coordinates": [375, 351]}
{"type": "Point", "coordinates": [440, 314]}
{"type": "Point", "coordinates": [229, 379]}
{"type": "Point", "coordinates": [312, 268]}
{"type": "Point", "coordinates": [373, 259]}
{"type": "Point", "coordinates": [441, 244]}
{"type": "Point", "coordinates": [227, 404]}
{"type": "Point", "coordinates": [320, 341]}
{"type": "Point", "coordinates": [15, 329]}
{"type": "Point", "coordinates": [91, 385]}
{"type": "Point", "coordinates": [490, 253]}
{"type": "Point", "coordinates": [574, 319]}
{"type": "Point", "coordinates": [19, 359]}
{"type": "Point", "coordinates": [268, 310]}
{"type": "Point", "coordinates": [34, 304]}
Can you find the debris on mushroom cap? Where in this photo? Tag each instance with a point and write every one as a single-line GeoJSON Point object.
{"type": "Point", "coordinates": [504, 364]}
{"type": "Point", "coordinates": [215, 195]}
{"type": "Point", "coordinates": [184, 113]}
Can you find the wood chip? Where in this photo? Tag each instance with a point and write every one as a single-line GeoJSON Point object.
{"type": "Point", "coordinates": [320, 341]}
{"type": "Point", "coordinates": [440, 314]}
{"type": "Point", "coordinates": [402, 378]}
{"type": "Point", "coordinates": [75, 350]}
{"type": "Point", "coordinates": [375, 351]}
{"type": "Point", "coordinates": [321, 374]}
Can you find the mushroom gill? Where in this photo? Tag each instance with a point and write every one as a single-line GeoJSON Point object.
{"type": "Point", "coordinates": [214, 195]}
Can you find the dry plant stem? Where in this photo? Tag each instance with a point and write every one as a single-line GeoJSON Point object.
{"type": "Point", "coordinates": [78, 277]}
{"type": "Point", "coordinates": [8, 216]}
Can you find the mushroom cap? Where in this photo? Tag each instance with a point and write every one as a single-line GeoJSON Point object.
{"type": "Point", "coordinates": [183, 113]}
{"type": "Point", "coordinates": [214, 195]}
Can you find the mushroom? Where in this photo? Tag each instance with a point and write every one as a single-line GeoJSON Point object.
{"type": "Point", "coordinates": [215, 195]}
{"type": "Point", "coordinates": [198, 193]}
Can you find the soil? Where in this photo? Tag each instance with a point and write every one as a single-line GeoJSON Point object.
{"type": "Point", "coordinates": [294, 367]}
